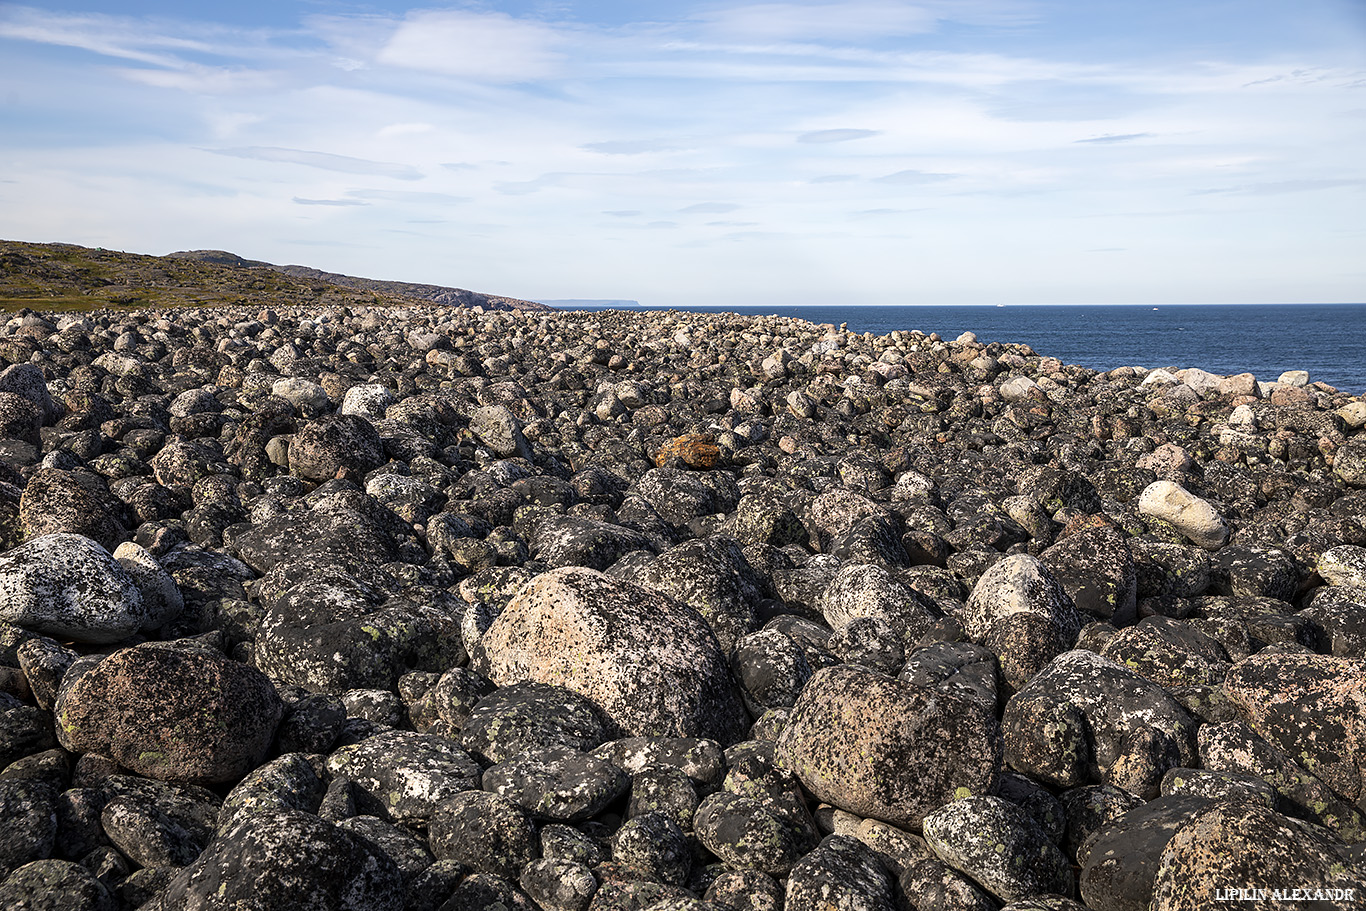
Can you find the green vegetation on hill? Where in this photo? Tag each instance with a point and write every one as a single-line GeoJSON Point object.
{"type": "Point", "coordinates": [69, 277]}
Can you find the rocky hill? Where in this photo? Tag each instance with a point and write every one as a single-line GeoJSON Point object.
{"type": "Point", "coordinates": [70, 277]}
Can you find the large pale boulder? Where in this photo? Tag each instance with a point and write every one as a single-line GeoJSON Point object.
{"type": "Point", "coordinates": [652, 664]}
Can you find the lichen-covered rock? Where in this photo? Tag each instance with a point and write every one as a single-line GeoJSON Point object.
{"type": "Point", "coordinates": [1193, 517]}
{"type": "Point", "coordinates": [161, 598]}
{"type": "Point", "coordinates": [712, 576]}
{"type": "Point", "coordinates": [288, 782]}
{"type": "Point", "coordinates": [30, 830]}
{"type": "Point", "coordinates": [286, 860]}
{"type": "Point", "coordinates": [333, 446]}
{"type": "Point", "coordinates": [879, 747]}
{"type": "Point", "coordinates": [999, 846]}
{"type": "Point", "coordinates": [868, 590]}
{"type": "Point", "coordinates": [501, 431]}
{"type": "Point", "coordinates": [1020, 611]}
{"type": "Point", "coordinates": [746, 890]}
{"type": "Point", "coordinates": [1251, 846]}
{"type": "Point", "coordinates": [1312, 707]}
{"type": "Point", "coordinates": [20, 418]}
{"type": "Point", "coordinates": [748, 834]}
{"type": "Point", "coordinates": [182, 714]}
{"type": "Point", "coordinates": [771, 668]}
{"type": "Point", "coordinates": [146, 835]}
{"type": "Point", "coordinates": [69, 586]}
{"type": "Point", "coordinates": [27, 381]}
{"type": "Point", "coordinates": [1343, 565]}
{"type": "Point", "coordinates": [332, 633]}
{"type": "Point", "coordinates": [650, 663]}
{"type": "Point", "coordinates": [71, 502]}
{"type": "Point", "coordinates": [1085, 719]}
{"type": "Point", "coordinates": [841, 875]}
{"type": "Point", "coordinates": [701, 760]}
{"type": "Point", "coordinates": [369, 401]}
{"type": "Point", "coordinates": [583, 541]}
{"type": "Point", "coordinates": [960, 668]}
{"type": "Point", "coordinates": [1168, 652]}
{"type": "Point", "coordinates": [1349, 463]}
{"type": "Point", "coordinates": [1254, 572]}
{"type": "Point", "coordinates": [556, 783]}
{"type": "Point", "coordinates": [526, 718]}
{"type": "Point", "coordinates": [663, 789]}
{"type": "Point", "coordinates": [1235, 747]}
{"type": "Point", "coordinates": [54, 885]}
{"type": "Point", "coordinates": [1096, 569]}
{"type": "Point", "coordinates": [485, 831]}
{"type": "Point", "coordinates": [1228, 786]}
{"type": "Point", "coordinates": [653, 846]}
{"type": "Point", "coordinates": [681, 496]}
{"type": "Point", "coordinates": [559, 885]}
{"type": "Point", "coordinates": [405, 775]}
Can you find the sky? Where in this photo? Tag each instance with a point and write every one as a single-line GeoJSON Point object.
{"type": "Point", "coordinates": [721, 153]}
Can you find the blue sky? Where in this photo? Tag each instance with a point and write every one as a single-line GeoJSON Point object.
{"type": "Point", "coordinates": [775, 153]}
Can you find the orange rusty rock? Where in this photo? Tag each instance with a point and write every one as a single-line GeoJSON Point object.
{"type": "Point", "coordinates": [696, 450]}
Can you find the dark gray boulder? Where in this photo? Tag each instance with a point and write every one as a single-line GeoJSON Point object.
{"type": "Point", "coordinates": [712, 576]}
{"type": "Point", "coordinates": [999, 845]}
{"type": "Point", "coordinates": [286, 861]}
{"type": "Point", "coordinates": [484, 831]}
{"type": "Point", "coordinates": [1085, 719]}
{"type": "Point", "coordinates": [1122, 857]}
{"type": "Point", "coordinates": [54, 885]}
{"type": "Point", "coordinates": [1096, 569]}
{"type": "Point", "coordinates": [558, 784]}
{"type": "Point", "coordinates": [405, 775]}
{"type": "Point", "coordinates": [526, 718]}
{"type": "Point", "coordinates": [841, 874]}
{"type": "Point", "coordinates": [30, 830]}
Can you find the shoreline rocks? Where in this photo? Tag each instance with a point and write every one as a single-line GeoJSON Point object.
{"type": "Point", "coordinates": [430, 608]}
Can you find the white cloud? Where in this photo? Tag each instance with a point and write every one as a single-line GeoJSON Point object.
{"type": "Point", "coordinates": [820, 21]}
{"type": "Point", "coordinates": [486, 47]}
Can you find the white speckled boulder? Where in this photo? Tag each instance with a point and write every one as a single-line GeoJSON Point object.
{"type": "Point", "coordinates": [652, 664]}
{"type": "Point", "coordinates": [1020, 611]}
{"type": "Point", "coordinates": [68, 586]}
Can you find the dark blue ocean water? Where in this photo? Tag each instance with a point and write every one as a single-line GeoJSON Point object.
{"type": "Point", "coordinates": [1328, 340]}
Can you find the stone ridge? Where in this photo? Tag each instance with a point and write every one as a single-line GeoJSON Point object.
{"type": "Point", "coordinates": [425, 608]}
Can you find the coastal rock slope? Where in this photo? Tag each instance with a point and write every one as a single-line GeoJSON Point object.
{"type": "Point", "coordinates": [431, 608]}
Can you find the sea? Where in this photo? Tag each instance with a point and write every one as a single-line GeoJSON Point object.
{"type": "Point", "coordinates": [1328, 340]}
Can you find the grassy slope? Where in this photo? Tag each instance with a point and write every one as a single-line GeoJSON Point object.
{"type": "Point", "coordinates": [59, 277]}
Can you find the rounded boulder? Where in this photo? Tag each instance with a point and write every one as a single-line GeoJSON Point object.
{"type": "Point", "coordinates": [170, 713]}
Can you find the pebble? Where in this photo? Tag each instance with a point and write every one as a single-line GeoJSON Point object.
{"type": "Point", "coordinates": [667, 595]}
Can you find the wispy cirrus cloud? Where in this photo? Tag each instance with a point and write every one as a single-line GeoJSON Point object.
{"type": "Point", "coordinates": [843, 135]}
{"type": "Point", "coordinates": [299, 200]}
{"type": "Point", "coordinates": [325, 161]}
{"type": "Point", "coordinates": [1111, 138]}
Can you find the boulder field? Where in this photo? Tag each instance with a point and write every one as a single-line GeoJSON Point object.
{"type": "Point", "coordinates": [438, 609]}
